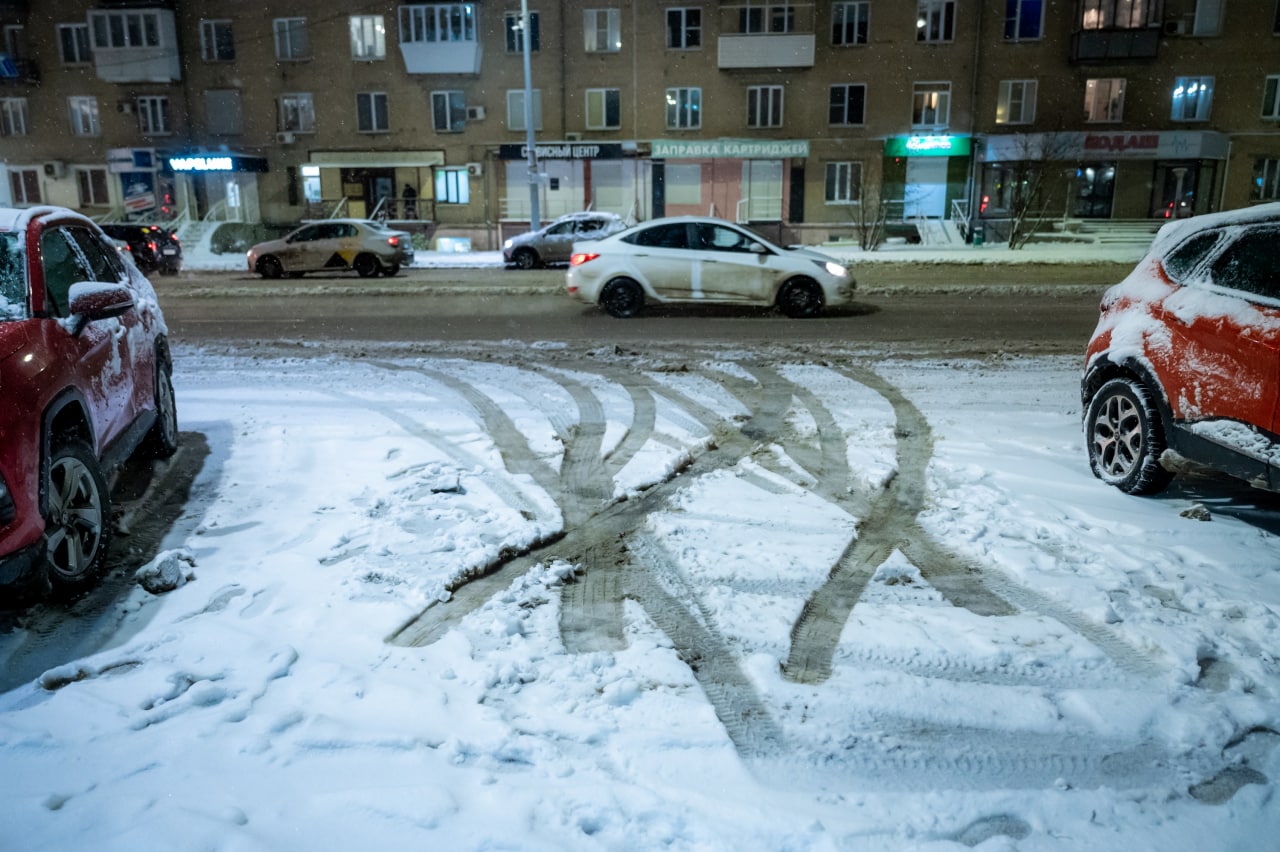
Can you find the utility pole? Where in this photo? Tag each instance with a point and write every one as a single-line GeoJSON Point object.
{"type": "Point", "coordinates": [534, 219]}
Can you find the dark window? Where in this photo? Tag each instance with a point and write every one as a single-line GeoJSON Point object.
{"type": "Point", "coordinates": [104, 264]}
{"type": "Point", "coordinates": [61, 261]}
{"type": "Point", "coordinates": [1252, 263]}
{"type": "Point", "coordinates": [513, 29]}
{"type": "Point", "coordinates": [672, 236]}
{"type": "Point", "coordinates": [849, 22]}
{"type": "Point", "coordinates": [1023, 19]}
{"type": "Point", "coordinates": [684, 28]}
{"type": "Point", "coordinates": [848, 104]}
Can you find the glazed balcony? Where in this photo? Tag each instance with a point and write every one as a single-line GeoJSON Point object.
{"type": "Point", "coordinates": [766, 35]}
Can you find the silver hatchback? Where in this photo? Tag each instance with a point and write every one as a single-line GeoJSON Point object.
{"type": "Point", "coordinates": [554, 243]}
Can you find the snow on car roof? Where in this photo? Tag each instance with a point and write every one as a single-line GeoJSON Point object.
{"type": "Point", "coordinates": [1174, 232]}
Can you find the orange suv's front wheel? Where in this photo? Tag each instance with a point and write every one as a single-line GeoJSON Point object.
{"type": "Point", "coordinates": [1126, 437]}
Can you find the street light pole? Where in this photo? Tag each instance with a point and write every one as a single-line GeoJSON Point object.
{"type": "Point", "coordinates": [534, 219]}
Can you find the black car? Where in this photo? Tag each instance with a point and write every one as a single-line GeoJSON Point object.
{"type": "Point", "coordinates": [154, 248]}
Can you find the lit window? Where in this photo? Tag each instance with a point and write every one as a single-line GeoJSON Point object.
{"type": "Point", "coordinates": [930, 105]}
{"type": "Point", "coordinates": [84, 116]}
{"type": "Point", "coordinates": [452, 186]}
{"type": "Point", "coordinates": [297, 114]}
{"type": "Point", "coordinates": [13, 116]}
{"type": "Point", "coordinates": [936, 20]}
{"type": "Point", "coordinates": [1192, 98]}
{"type": "Point", "coordinates": [368, 37]}
{"type": "Point", "coordinates": [515, 110]}
{"type": "Point", "coordinates": [602, 30]}
{"type": "Point", "coordinates": [1016, 103]}
{"type": "Point", "coordinates": [1104, 100]}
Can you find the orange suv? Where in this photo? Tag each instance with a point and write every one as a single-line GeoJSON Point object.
{"type": "Point", "coordinates": [1184, 366]}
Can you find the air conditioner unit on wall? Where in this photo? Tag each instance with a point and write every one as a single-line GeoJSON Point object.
{"type": "Point", "coordinates": [285, 137]}
{"type": "Point", "coordinates": [475, 169]}
{"type": "Point", "coordinates": [125, 107]}
{"type": "Point", "coordinates": [55, 169]}
{"type": "Point", "coordinates": [1175, 26]}
{"type": "Point", "coordinates": [475, 113]}
{"type": "Point", "coordinates": [573, 137]}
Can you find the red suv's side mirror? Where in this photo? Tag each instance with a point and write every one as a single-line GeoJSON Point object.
{"type": "Point", "coordinates": [90, 301]}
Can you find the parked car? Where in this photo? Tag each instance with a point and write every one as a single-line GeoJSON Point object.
{"type": "Point", "coordinates": [554, 243]}
{"type": "Point", "coordinates": [691, 259]}
{"type": "Point", "coordinates": [85, 372]}
{"type": "Point", "coordinates": [368, 247]}
{"type": "Point", "coordinates": [154, 248]}
{"type": "Point", "coordinates": [1184, 366]}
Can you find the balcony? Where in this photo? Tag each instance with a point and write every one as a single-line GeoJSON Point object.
{"type": "Point", "coordinates": [441, 57]}
{"type": "Point", "coordinates": [780, 35]}
{"type": "Point", "coordinates": [1115, 45]}
{"type": "Point", "coordinates": [137, 46]}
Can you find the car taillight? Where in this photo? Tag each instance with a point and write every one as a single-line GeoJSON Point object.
{"type": "Point", "coordinates": [151, 244]}
{"type": "Point", "coordinates": [393, 241]}
{"type": "Point", "coordinates": [582, 257]}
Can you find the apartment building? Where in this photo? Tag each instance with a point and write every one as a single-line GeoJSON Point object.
{"type": "Point", "coordinates": [807, 119]}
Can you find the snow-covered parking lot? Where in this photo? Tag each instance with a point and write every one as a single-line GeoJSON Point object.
{"type": "Point", "coordinates": [795, 599]}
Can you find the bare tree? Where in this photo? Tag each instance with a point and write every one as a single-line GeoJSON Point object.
{"type": "Point", "coordinates": [1030, 182]}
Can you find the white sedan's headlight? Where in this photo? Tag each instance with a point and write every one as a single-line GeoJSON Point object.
{"type": "Point", "coordinates": [507, 244]}
{"type": "Point", "coordinates": [835, 269]}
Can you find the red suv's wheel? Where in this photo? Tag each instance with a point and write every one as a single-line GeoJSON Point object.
{"type": "Point", "coordinates": [1126, 438]}
{"type": "Point", "coordinates": [78, 517]}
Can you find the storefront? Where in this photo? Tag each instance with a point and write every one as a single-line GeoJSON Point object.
{"type": "Point", "coordinates": [744, 180]}
{"type": "Point", "coordinates": [1118, 175]}
{"type": "Point", "coordinates": [147, 190]}
{"type": "Point", "coordinates": [219, 185]}
{"type": "Point", "coordinates": [572, 176]}
{"type": "Point", "coordinates": [394, 185]}
{"type": "Point", "coordinates": [927, 172]}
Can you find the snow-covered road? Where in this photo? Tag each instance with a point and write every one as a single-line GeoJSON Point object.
{"type": "Point", "coordinates": [541, 597]}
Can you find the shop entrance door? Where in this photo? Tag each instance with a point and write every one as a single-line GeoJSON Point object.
{"type": "Point", "coordinates": [926, 191]}
{"type": "Point", "coordinates": [1181, 189]}
{"type": "Point", "coordinates": [761, 191]}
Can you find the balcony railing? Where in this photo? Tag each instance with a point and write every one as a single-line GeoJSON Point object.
{"type": "Point", "coordinates": [1115, 44]}
{"type": "Point", "coordinates": [780, 35]}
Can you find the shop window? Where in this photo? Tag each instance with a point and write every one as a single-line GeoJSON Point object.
{"type": "Point", "coordinates": [1266, 179]}
{"type": "Point", "coordinates": [371, 112]}
{"type": "Point", "coordinates": [1016, 103]}
{"type": "Point", "coordinates": [684, 28]}
{"type": "Point", "coordinates": [217, 41]}
{"type": "Point", "coordinates": [297, 113]}
{"type": "Point", "coordinates": [850, 23]}
{"type": "Point", "coordinates": [1023, 20]}
{"type": "Point", "coordinates": [683, 183]}
{"type": "Point", "coordinates": [92, 187]}
{"type": "Point", "coordinates": [368, 38]}
{"type": "Point", "coordinates": [604, 109]}
{"type": "Point", "coordinates": [1192, 98]}
{"type": "Point", "coordinates": [84, 116]}
{"type": "Point", "coordinates": [24, 186]}
{"type": "Point", "coordinates": [153, 115]}
{"type": "Point", "coordinates": [448, 112]}
{"type": "Point", "coordinates": [223, 112]}
{"type": "Point", "coordinates": [73, 44]}
{"type": "Point", "coordinates": [452, 186]}
{"type": "Point", "coordinates": [1271, 97]}
{"type": "Point", "coordinates": [602, 30]}
{"type": "Point", "coordinates": [684, 109]}
{"type": "Point", "coordinates": [515, 110]}
{"type": "Point", "coordinates": [515, 32]}
{"type": "Point", "coordinates": [930, 106]}
{"type": "Point", "coordinates": [764, 106]}
{"type": "Point", "coordinates": [13, 116]}
{"type": "Point", "coordinates": [291, 39]}
{"type": "Point", "coordinates": [1104, 100]}
{"type": "Point", "coordinates": [843, 183]}
{"type": "Point", "coordinates": [936, 20]}
{"type": "Point", "coordinates": [848, 104]}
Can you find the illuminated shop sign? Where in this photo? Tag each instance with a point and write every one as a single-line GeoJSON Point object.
{"type": "Point", "coordinates": [734, 149]}
{"type": "Point", "coordinates": [563, 151]}
{"type": "Point", "coordinates": [927, 146]}
{"type": "Point", "coordinates": [217, 163]}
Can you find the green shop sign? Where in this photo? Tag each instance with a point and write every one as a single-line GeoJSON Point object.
{"type": "Point", "coordinates": [739, 149]}
{"type": "Point", "coordinates": [927, 146]}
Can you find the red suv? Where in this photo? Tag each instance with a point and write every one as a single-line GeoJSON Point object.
{"type": "Point", "coordinates": [1184, 366]}
{"type": "Point", "coordinates": [84, 380]}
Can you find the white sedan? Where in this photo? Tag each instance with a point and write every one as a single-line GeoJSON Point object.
{"type": "Point", "coordinates": [692, 259]}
